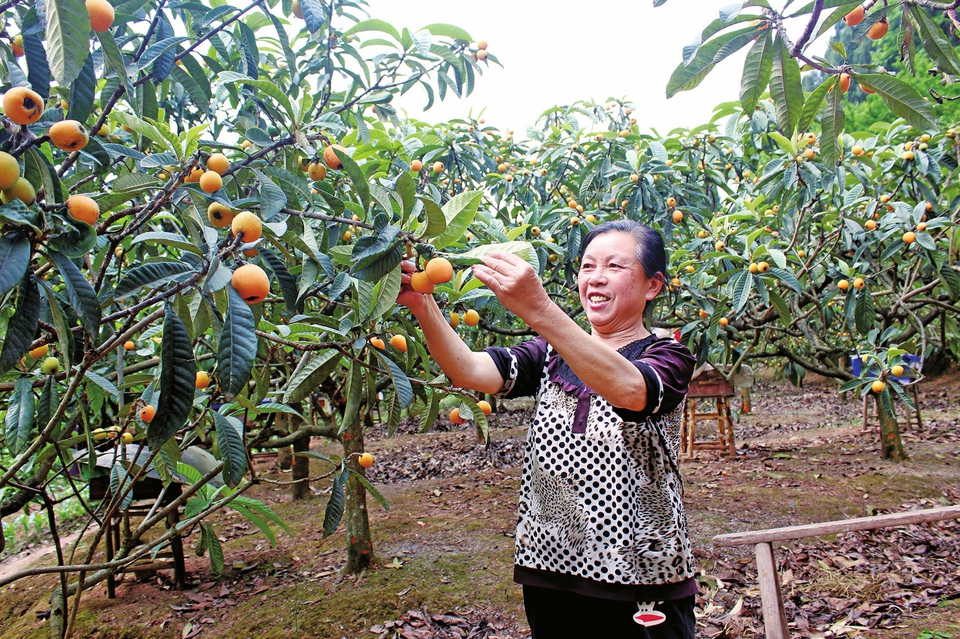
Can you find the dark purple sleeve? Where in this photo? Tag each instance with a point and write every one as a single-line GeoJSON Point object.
{"type": "Point", "coordinates": [667, 367]}
{"type": "Point", "coordinates": [520, 366]}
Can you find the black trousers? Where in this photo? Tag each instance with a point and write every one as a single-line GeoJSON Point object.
{"type": "Point", "coordinates": [557, 614]}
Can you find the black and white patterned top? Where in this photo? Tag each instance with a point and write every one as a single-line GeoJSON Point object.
{"type": "Point", "coordinates": [601, 500]}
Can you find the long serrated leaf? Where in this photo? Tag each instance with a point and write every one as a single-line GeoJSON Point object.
{"type": "Point", "coordinates": [690, 74]}
{"type": "Point", "coordinates": [756, 72]}
{"type": "Point", "coordinates": [785, 88]}
{"type": "Point", "coordinates": [812, 106]}
{"type": "Point", "coordinates": [864, 315]}
{"type": "Point", "coordinates": [21, 413]}
{"type": "Point", "coordinates": [178, 374]}
{"type": "Point", "coordinates": [230, 442]}
{"type": "Point", "coordinates": [354, 393]}
{"type": "Point", "coordinates": [902, 98]}
{"type": "Point", "coordinates": [458, 212]}
{"type": "Point", "coordinates": [385, 294]}
{"type": "Point", "coordinates": [372, 490]}
{"type": "Point", "coordinates": [951, 279]}
{"type": "Point", "coordinates": [523, 250]}
{"type": "Point", "coordinates": [213, 545]}
{"type": "Point", "coordinates": [939, 49]}
{"type": "Point", "coordinates": [118, 484]}
{"type": "Point", "coordinates": [68, 38]}
{"type": "Point", "coordinates": [257, 521]}
{"type": "Point", "coordinates": [151, 274]}
{"type": "Point", "coordinates": [104, 384]}
{"type": "Point", "coordinates": [357, 179]}
{"type": "Point", "coordinates": [369, 247]}
{"type": "Point", "coordinates": [436, 222]}
{"type": "Point", "coordinates": [38, 71]}
{"type": "Point", "coordinates": [831, 125]}
{"type": "Point", "coordinates": [400, 380]}
{"type": "Point", "coordinates": [172, 240]}
{"type": "Point", "coordinates": [83, 92]}
{"type": "Point", "coordinates": [14, 259]}
{"type": "Point", "coordinates": [781, 306]}
{"type": "Point", "coordinates": [49, 399]}
{"type": "Point", "coordinates": [288, 284]}
{"type": "Point", "coordinates": [193, 87]}
{"type": "Point", "coordinates": [80, 293]}
{"type": "Point", "coordinates": [272, 197]}
{"type": "Point", "coordinates": [787, 278]}
{"type": "Point", "coordinates": [429, 417]}
{"type": "Point", "coordinates": [115, 60]}
{"type": "Point", "coordinates": [238, 346]}
{"type": "Point", "coordinates": [740, 287]}
{"type": "Point", "coordinates": [333, 512]}
{"type": "Point", "coordinates": [381, 265]}
{"type": "Point", "coordinates": [313, 370]}
{"type": "Point", "coordinates": [156, 50]}
{"type": "Point", "coordinates": [262, 509]}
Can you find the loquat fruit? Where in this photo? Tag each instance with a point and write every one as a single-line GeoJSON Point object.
{"type": "Point", "coordinates": [247, 225]}
{"type": "Point", "coordinates": [251, 282]}
{"type": "Point", "coordinates": [330, 156]}
{"type": "Point", "coordinates": [50, 366]}
{"type": "Point", "coordinates": [316, 171]}
{"type": "Point", "coordinates": [399, 342]}
{"type": "Point", "coordinates": [22, 105]}
{"type": "Point", "coordinates": [210, 182]}
{"type": "Point", "coordinates": [39, 351]}
{"type": "Point", "coordinates": [218, 163]}
{"type": "Point", "coordinates": [219, 215]}
{"type": "Point", "coordinates": [9, 170]}
{"type": "Point", "coordinates": [147, 413]}
{"type": "Point", "coordinates": [83, 208]}
{"type": "Point", "coordinates": [421, 283]}
{"type": "Point", "coordinates": [68, 135]}
{"type": "Point", "coordinates": [101, 14]}
{"type": "Point", "coordinates": [439, 270]}
{"type": "Point", "coordinates": [21, 190]}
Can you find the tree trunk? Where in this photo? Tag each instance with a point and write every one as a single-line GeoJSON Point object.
{"type": "Point", "coordinates": [890, 443]}
{"type": "Point", "coordinates": [359, 543]}
{"type": "Point", "coordinates": [301, 470]}
{"type": "Point", "coordinates": [284, 453]}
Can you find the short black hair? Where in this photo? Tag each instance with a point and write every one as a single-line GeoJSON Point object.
{"type": "Point", "coordinates": [651, 251]}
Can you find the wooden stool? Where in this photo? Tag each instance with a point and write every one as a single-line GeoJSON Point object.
{"type": "Point", "coordinates": [724, 441]}
{"type": "Point", "coordinates": [145, 494]}
{"type": "Point", "coordinates": [170, 558]}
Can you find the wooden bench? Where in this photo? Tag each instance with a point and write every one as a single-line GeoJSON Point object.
{"type": "Point", "coordinates": [709, 388]}
{"type": "Point", "coordinates": [774, 617]}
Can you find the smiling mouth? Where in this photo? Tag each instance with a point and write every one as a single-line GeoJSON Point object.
{"type": "Point", "coordinates": [598, 299]}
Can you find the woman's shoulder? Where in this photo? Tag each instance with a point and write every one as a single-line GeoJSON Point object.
{"type": "Point", "coordinates": [654, 345]}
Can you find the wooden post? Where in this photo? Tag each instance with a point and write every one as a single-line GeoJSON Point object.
{"type": "Point", "coordinates": [774, 618]}
{"type": "Point", "coordinates": [111, 579]}
{"type": "Point", "coordinates": [176, 548]}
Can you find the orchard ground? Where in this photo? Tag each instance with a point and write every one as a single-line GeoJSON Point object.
{"type": "Point", "coordinates": [445, 547]}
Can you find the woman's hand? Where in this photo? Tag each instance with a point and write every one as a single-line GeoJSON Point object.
{"type": "Point", "coordinates": [408, 297]}
{"type": "Point", "coordinates": [515, 284]}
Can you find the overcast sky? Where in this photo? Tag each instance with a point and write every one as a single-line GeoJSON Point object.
{"type": "Point", "coordinates": [559, 52]}
{"type": "Point", "coordinates": [556, 53]}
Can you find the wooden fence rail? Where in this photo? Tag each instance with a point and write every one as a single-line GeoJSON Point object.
{"type": "Point", "coordinates": [774, 617]}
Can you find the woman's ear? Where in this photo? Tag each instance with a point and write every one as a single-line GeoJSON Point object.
{"type": "Point", "coordinates": [656, 285]}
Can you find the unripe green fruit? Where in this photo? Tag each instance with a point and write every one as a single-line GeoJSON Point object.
{"type": "Point", "coordinates": [50, 366]}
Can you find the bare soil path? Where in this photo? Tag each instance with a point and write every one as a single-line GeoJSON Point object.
{"type": "Point", "coordinates": [445, 546]}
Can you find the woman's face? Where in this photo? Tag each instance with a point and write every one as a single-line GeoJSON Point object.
{"type": "Point", "coordinates": [613, 288]}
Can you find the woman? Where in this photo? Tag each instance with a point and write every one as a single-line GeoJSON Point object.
{"type": "Point", "coordinates": [602, 534]}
